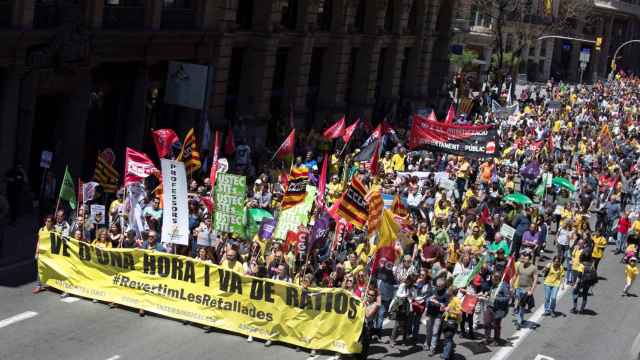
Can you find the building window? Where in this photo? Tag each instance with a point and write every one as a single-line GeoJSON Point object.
{"type": "Point", "coordinates": [389, 16]}
{"type": "Point", "coordinates": [325, 9]}
{"type": "Point", "coordinates": [244, 14]}
{"type": "Point", "coordinates": [360, 15]}
{"type": "Point", "coordinates": [5, 13]}
{"type": "Point", "coordinates": [412, 23]}
{"type": "Point", "coordinates": [45, 14]}
{"type": "Point", "coordinates": [289, 14]}
{"type": "Point", "coordinates": [123, 14]}
{"type": "Point", "coordinates": [178, 14]}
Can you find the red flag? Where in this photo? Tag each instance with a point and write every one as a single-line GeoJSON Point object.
{"type": "Point", "coordinates": [336, 130]}
{"type": "Point", "coordinates": [284, 180]}
{"type": "Point", "coordinates": [375, 159]}
{"type": "Point", "coordinates": [214, 162]}
{"type": "Point", "coordinates": [485, 217]}
{"type": "Point", "coordinates": [349, 131]}
{"type": "Point", "coordinates": [451, 114]}
{"type": "Point", "coordinates": [322, 182]}
{"type": "Point", "coordinates": [287, 146]}
{"type": "Point", "coordinates": [206, 201]}
{"type": "Point", "coordinates": [290, 242]}
{"type": "Point", "coordinates": [229, 144]}
{"type": "Point", "coordinates": [137, 166]}
{"type": "Point", "coordinates": [432, 116]}
{"type": "Point", "coordinates": [164, 140]}
{"type": "Point", "coordinates": [509, 270]}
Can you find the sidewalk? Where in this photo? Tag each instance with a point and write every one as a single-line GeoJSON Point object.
{"type": "Point", "coordinates": [18, 241]}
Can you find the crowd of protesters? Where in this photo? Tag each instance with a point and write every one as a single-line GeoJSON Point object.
{"type": "Point", "coordinates": [587, 136]}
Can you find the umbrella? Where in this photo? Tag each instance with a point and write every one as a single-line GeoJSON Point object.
{"type": "Point", "coordinates": [563, 182]}
{"type": "Point", "coordinates": [518, 198]}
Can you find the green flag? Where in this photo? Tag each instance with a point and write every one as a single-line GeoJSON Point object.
{"type": "Point", "coordinates": [462, 280]}
{"type": "Point", "coordinates": [67, 190]}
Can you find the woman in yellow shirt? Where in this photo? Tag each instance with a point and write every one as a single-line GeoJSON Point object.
{"type": "Point", "coordinates": [599, 244]}
{"type": "Point", "coordinates": [441, 209]}
{"type": "Point", "coordinates": [630, 272]}
{"type": "Point", "coordinates": [552, 282]}
{"type": "Point", "coordinates": [102, 240]}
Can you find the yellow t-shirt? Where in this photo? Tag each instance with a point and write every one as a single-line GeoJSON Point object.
{"type": "Point", "coordinates": [387, 165]}
{"type": "Point", "coordinates": [398, 162]}
{"type": "Point", "coordinates": [635, 227]}
{"type": "Point", "coordinates": [476, 244]}
{"type": "Point", "coordinates": [441, 212]}
{"type": "Point", "coordinates": [463, 171]}
{"type": "Point", "coordinates": [453, 255]}
{"type": "Point", "coordinates": [576, 265]}
{"type": "Point", "coordinates": [455, 309]}
{"type": "Point", "coordinates": [599, 244]}
{"type": "Point", "coordinates": [101, 245]}
{"type": "Point", "coordinates": [43, 234]}
{"type": "Point", "coordinates": [237, 267]}
{"type": "Point", "coordinates": [630, 273]}
{"type": "Point", "coordinates": [554, 277]}
{"type": "Point", "coordinates": [557, 126]}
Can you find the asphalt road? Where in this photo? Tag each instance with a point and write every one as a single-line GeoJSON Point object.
{"type": "Point", "coordinates": [45, 326]}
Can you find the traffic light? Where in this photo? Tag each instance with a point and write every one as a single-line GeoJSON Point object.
{"type": "Point", "coordinates": [598, 43]}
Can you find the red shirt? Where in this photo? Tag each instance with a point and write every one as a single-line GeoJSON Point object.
{"type": "Point", "coordinates": [623, 225]}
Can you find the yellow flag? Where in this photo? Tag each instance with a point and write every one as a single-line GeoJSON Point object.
{"type": "Point", "coordinates": [548, 7]}
{"type": "Point", "coordinates": [388, 230]}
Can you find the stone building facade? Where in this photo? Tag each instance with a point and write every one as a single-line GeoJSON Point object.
{"type": "Point", "coordinates": [614, 21]}
{"type": "Point", "coordinates": [77, 76]}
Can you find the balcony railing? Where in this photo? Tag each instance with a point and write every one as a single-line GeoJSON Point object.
{"type": "Point", "coordinates": [5, 14]}
{"type": "Point", "coordinates": [123, 17]}
{"type": "Point", "coordinates": [174, 19]}
{"type": "Point", "coordinates": [46, 16]}
{"type": "Point", "coordinates": [616, 5]}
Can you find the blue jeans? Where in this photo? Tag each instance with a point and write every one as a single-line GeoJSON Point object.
{"type": "Point", "coordinates": [381, 313]}
{"type": "Point", "coordinates": [550, 294]}
{"type": "Point", "coordinates": [433, 330]}
{"type": "Point", "coordinates": [414, 324]}
{"type": "Point", "coordinates": [621, 242]}
{"type": "Point", "coordinates": [520, 297]}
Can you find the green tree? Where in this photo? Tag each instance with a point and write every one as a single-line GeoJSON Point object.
{"type": "Point", "coordinates": [463, 61]}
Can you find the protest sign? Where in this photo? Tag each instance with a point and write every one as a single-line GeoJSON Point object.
{"type": "Point", "coordinates": [97, 214]}
{"type": "Point", "coordinates": [291, 218]}
{"type": "Point", "coordinates": [474, 141]}
{"type": "Point", "coordinates": [507, 231]}
{"type": "Point", "coordinates": [204, 293]}
{"type": "Point", "coordinates": [231, 191]}
{"type": "Point", "coordinates": [267, 227]}
{"type": "Point", "coordinates": [175, 224]}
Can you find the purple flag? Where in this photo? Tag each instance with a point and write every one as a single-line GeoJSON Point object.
{"type": "Point", "coordinates": [266, 228]}
{"type": "Point", "coordinates": [319, 230]}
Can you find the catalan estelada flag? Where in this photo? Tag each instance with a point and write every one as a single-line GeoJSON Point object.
{"type": "Point", "coordinates": [353, 204]}
{"type": "Point", "coordinates": [374, 201]}
{"type": "Point", "coordinates": [106, 175]}
{"type": "Point", "coordinates": [297, 187]}
{"type": "Point", "coordinates": [189, 153]}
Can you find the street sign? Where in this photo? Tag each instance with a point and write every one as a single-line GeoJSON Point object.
{"type": "Point", "coordinates": [45, 159]}
{"type": "Point", "coordinates": [585, 55]}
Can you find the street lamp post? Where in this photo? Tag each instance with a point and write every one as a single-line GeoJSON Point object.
{"type": "Point", "coordinates": [615, 54]}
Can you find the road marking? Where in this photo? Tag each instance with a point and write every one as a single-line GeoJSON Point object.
{"type": "Point", "coordinates": [505, 352]}
{"type": "Point", "coordinates": [69, 299]}
{"type": "Point", "coordinates": [543, 357]}
{"type": "Point", "coordinates": [16, 318]}
{"type": "Point", "coordinates": [114, 357]}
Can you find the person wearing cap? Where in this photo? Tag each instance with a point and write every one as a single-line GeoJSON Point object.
{"type": "Point", "coordinates": [630, 273]}
{"type": "Point", "coordinates": [334, 189]}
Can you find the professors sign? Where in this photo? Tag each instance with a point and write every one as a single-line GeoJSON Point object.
{"type": "Point", "coordinates": [175, 224]}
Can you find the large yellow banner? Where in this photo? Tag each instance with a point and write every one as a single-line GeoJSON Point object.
{"type": "Point", "coordinates": [188, 289]}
